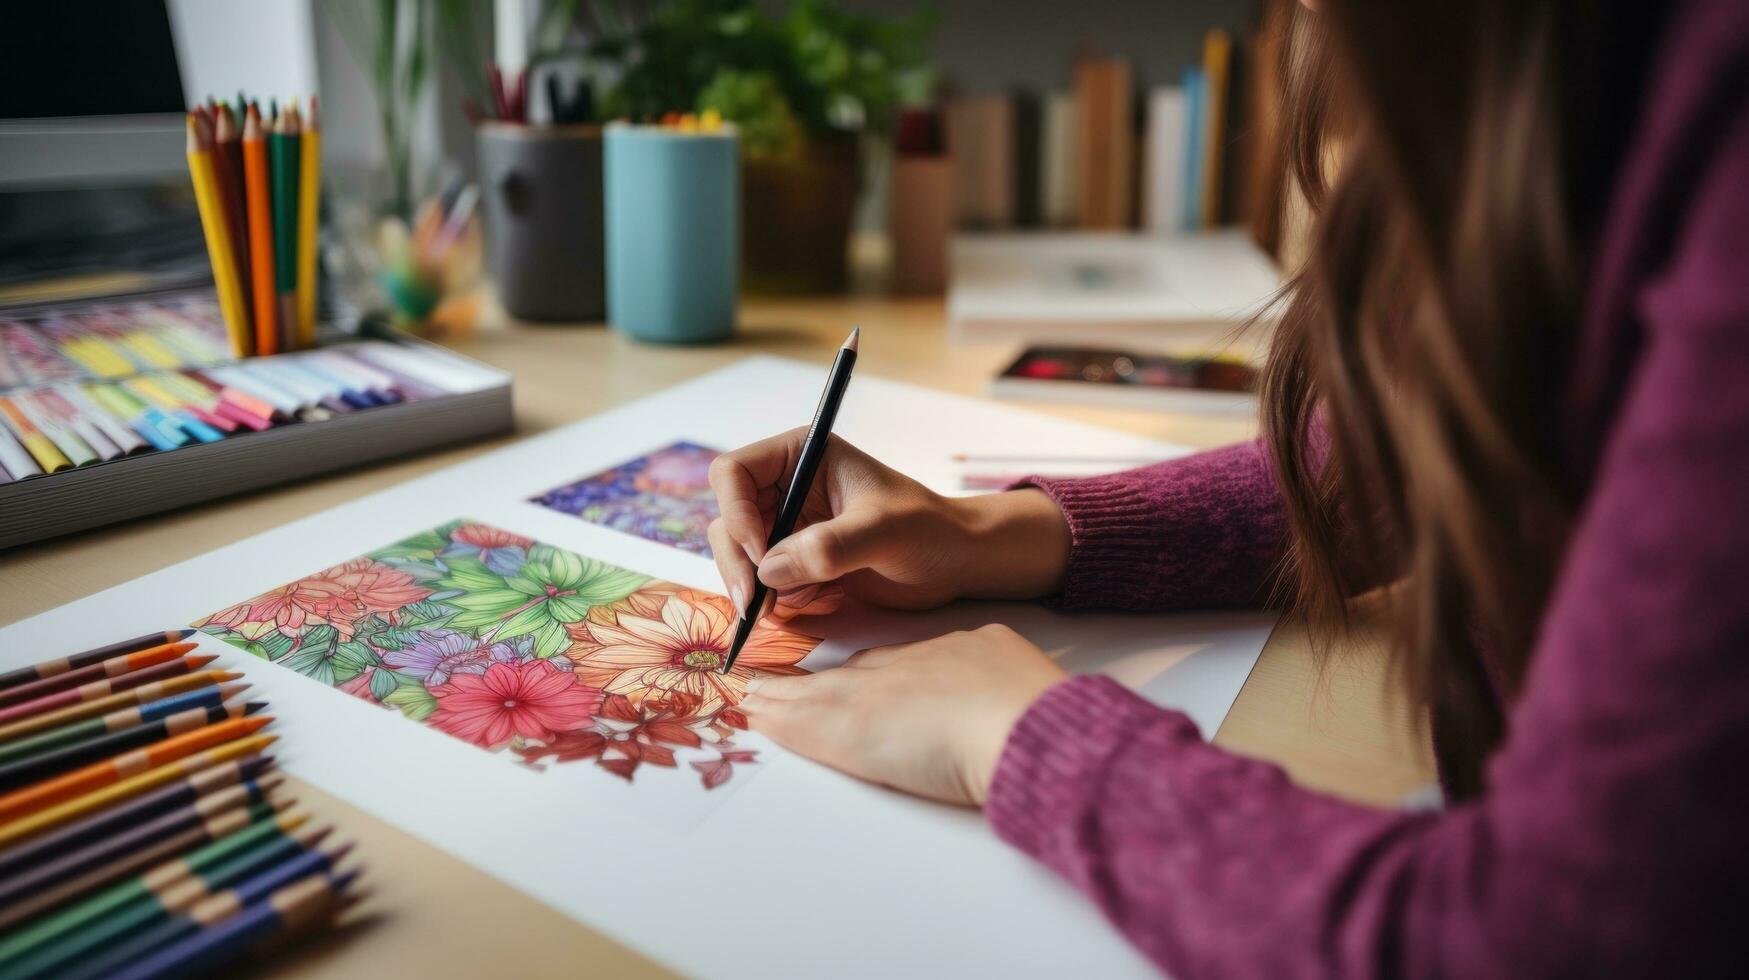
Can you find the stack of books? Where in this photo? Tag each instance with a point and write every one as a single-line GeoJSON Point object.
{"type": "Point", "coordinates": [1105, 156]}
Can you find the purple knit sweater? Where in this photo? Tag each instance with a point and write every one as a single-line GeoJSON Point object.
{"type": "Point", "coordinates": [1613, 837]}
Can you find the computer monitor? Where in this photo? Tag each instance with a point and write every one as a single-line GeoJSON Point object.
{"type": "Point", "coordinates": [93, 95]}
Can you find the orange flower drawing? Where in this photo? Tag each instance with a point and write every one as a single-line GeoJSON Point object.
{"type": "Point", "coordinates": [337, 597]}
{"type": "Point", "coordinates": [681, 651]}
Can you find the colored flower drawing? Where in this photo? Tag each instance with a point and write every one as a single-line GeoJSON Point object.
{"type": "Point", "coordinates": [523, 648]}
{"type": "Point", "coordinates": [664, 497]}
{"type": "Point", "coordinates": [679, 648]}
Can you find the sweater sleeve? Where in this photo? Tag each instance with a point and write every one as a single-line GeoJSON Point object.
{"type": "Point", "coordinates": [1203, 532]}
{"type": "Point", "coordinates": [1610, 839]}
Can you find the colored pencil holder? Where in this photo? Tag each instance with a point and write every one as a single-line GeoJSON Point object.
{"type": "Point", "coordinates": [673, 233]}
{"type": "Point", "coordinates": [542, 192]}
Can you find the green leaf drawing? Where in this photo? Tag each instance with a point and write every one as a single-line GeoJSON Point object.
{"type": "Point", "coordinates": [272, 646]}
{"type": "Point", "coordinates": [383, 683]}
{"type": "Point", "coordinates": [424, 546]}
{"type": "Point", "coordinates": [413, 699]}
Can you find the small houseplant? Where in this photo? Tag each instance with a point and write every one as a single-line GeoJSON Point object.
{"type": "Point", "coordinates": [811, 88]}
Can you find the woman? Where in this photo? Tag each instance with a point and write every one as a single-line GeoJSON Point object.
{"type": "Point", "coordinates": [1511, 387]}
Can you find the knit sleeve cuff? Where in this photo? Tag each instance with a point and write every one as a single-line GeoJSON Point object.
{"type": "Point", "coordinates": [1113, 535]}
{"type": "Point", "coordinates": [1056, 759]}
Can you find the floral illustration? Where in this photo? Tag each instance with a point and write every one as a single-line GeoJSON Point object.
{"type": "Point", "coordinates": [523, 648]}
{"type": "Point", "coordinates": [679, 648]}
{"type": "Point", "coordinates": [664, 497]}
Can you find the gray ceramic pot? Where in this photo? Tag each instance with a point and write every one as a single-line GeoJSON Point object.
{"type": "Point", "coordinates": [542, 193]}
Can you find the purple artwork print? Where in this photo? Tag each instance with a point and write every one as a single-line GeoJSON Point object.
{"type": "Point", "coordinates": [663, 497]}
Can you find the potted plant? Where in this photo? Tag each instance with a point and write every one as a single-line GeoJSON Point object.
{"type": "Point", "coordinates": [812, 89]}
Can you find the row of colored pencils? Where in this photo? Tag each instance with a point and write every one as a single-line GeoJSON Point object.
{"type": "Point", "coordinates": [257, 179]}
{"type": "Point", "coordinates": [143, 832]}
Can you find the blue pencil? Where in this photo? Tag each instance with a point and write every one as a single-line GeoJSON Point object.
{"type": "Point", "coordinates": [212, 911]}
{"type": "Point", "coordinates": [295, 906]}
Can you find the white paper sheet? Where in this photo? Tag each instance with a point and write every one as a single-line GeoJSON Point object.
{"type": "Point", "coordinates": [802, 872]}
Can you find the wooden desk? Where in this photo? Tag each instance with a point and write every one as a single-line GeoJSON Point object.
{"type": "Point", "coordinates": [1331, 728]}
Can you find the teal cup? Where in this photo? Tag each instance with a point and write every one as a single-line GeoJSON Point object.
{"type": "Point", "coordinates": [673, 235]}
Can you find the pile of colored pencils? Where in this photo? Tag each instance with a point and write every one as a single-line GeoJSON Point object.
{"type": "Point", "coordinates": [257, 179]}
{"type": "Point", "coordinates": [142, 831]}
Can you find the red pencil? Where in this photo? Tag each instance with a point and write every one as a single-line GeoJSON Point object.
{"type": "Point", "coordinates": [104, 688]}
{"type": "Point", "coordinates": [228, 168]}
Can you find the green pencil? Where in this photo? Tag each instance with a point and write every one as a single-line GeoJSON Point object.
{"type": "Point", "coordinates": [284, 150]}
{"type": "Point", "coordinates": [168, 890]}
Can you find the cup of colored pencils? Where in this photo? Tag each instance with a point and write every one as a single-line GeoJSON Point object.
{"type": "Point", "coordinates": [143, 831]}
{"type": "Point", "coordinates": [257, 183]}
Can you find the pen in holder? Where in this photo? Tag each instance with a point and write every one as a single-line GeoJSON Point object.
{"type": "Point", "coordinates": [673, 235]}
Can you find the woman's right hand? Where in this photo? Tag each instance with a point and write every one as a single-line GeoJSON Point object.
{"type": "Point", "coordinates": [879, 535]}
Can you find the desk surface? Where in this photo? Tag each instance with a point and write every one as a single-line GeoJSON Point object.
{"type": "Point", "coordinates": [1331, 726]}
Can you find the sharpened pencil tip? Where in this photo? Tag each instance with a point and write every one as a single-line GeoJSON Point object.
{"type": "Point", "coordinates": [850, 341]}
{"type": "Point", "coordinates": [250, 707]}
{"type": "Point", "coordinates": [184, 634]}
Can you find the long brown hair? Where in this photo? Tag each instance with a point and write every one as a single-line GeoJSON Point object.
{"type": "Point", "coordinates": [1408, 400]}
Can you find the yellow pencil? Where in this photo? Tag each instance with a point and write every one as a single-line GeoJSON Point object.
{"type": "Point", "coordinates": [310, 186]}
{"type": "Point", "coordinates": [50, 458]}
{"type": "Point", "coordinates": [218, 238]}
{"type": "Point", "coordinates": [98, 799]}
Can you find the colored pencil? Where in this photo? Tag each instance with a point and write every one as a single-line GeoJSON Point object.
{"type": "Point", "coordinates": [41, 447]}
{"type": "Point", "coordinates": [128, 861]}
{"type": "Point", "coordinates": [227, 931]}
{"type": "Point", "coordinates": [14, 459]}
{"type": "Point", "coordinates": [218, 236]}
{"type": "Point", "coordinates": [212, 402]}
{"type": "Point", "coordinates": [114, 702]}
{"type": "Point", "coordinates": [286, 147]}
{"type": "Point", "coordinates": [77, 450]}
{"type": "Point", "coordinates": [195, 908]}
{"type": "Point", "coordinates": [112, 667]}
{"type": "Point", "coordinates": [258, 192]}
{"type": "Point", "coordinates": [241, 399]}
{"type": "Point", "coordinates": [228, 168]}
{"type": "Point", "coordinates": [167, 889]}
{"type": "Point", "coordinates": [96, 427]}
{"type": "Point", "coordinates": [146, 391]}
{"type": "Point", "coordinates": [106, 687]}
{"type": "Point", "coordinates": [55, 761]}
{"type": "Point", "coordinates": [309, 197]}
{"type": "Point", "coordinates": [148, 422]}
{"type": "Point", "coordinates": [60, 813]}
{"type": "Point", "coordinates": [119, 720]}
{"type": "Point", "coordinates": [103, 852]}
{"type": "Point", "coordinates": [154, 389]}
{"type": "Point", "coordinates": [125, 438]}
{"type": "Point", "coordinates": [116, 819]}
{"type": "Point", "coordinates": [87, 778]}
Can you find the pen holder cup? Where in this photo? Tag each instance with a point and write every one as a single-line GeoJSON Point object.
{"type": "Point", "coordinates": [673, 216]}
{"type": "Point", "coordinates": [543, 204]}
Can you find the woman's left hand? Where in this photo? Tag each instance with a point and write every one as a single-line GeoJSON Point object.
{"type": "Point", "coordinates": [928, 718]}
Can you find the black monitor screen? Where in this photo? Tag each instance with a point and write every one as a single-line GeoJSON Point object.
{"type": "Point", "coordinates": [87, 58]}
